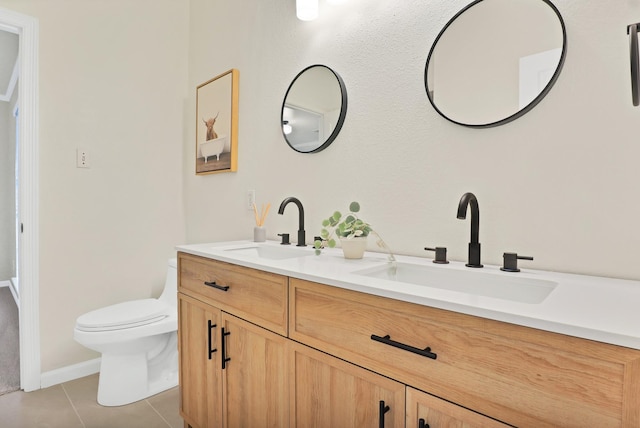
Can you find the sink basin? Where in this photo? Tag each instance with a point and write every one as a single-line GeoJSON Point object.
{"type": "Point", "coordinates": [498, 285]}
{"type": "Point", "coordinates": [270, 251]}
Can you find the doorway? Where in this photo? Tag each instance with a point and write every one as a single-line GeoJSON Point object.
{"type": "Point", "coordinates": [27, 194]}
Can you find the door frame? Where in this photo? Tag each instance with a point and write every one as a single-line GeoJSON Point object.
{"type": "Point", "coordinates": [28, 195]}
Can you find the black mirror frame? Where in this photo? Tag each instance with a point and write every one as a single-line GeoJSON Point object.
{"type": "Point", "coordinates": [632, 31]}
{"type": "Point", "coordinates": [523, 110]}
{"type": "Point", "coordinates": [341, 118]}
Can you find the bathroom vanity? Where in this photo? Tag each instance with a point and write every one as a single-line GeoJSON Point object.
{"type": "Point", "coordinates": [277, 336]}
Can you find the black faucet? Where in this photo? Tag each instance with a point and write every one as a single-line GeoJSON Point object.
{"type": "Point", "coordinates": [474, 245]}
{"type": "Point", "coordinates": [301, 233]}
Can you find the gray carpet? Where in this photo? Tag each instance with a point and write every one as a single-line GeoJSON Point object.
{"type": "Point", "coordinates": [9, 343]}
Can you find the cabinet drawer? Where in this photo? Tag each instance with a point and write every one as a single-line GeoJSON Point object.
{"type": "Point", "coordinates": [256, 296]}
{"type": "Point", "coordinates": [520, 375]}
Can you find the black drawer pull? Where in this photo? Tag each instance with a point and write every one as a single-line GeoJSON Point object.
{"type": "Point", "coordinates": [383, 409]}
{"type": "Point", "coordinates": [216, 286]}
{"type": "Point", "coordinates": [426, 352]}
{"type": "Point", "coordinates": [225, 359]}
{"type": "Point", "coordinates": [211, 327]}
{"type": "Point", "coordinates": [422, 423]}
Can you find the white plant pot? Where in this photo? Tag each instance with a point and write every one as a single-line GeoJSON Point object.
{"type": "Point", "coordinates": [353, 248]}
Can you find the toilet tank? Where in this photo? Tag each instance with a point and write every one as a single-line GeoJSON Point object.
{"type": "Point", "coordinates": [170, 291]}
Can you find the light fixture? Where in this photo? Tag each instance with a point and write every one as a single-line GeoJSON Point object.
{"type": "Point", "coordinates": [307, 10]}
{"type": "Point", "coordinates": [286, 128]}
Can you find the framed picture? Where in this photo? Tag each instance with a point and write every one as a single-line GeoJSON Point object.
{"type": "Point", "coordinates": [217, 124]}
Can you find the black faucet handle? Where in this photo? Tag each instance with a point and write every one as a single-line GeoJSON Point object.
{"type": "Point", "coordinates": [511, 262]}
{"type": "Point", "coordinates": [285, 238]}
{"type": "Point", "coordinates": [441, 254]}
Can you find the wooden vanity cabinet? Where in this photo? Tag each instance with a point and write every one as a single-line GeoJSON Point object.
{"type": "Point", "coordinates": [305, 354]}
{"type": "Point", "coordinates": [233, 373]}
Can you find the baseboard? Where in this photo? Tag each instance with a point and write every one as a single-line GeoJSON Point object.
{"type": "Point", "coordinates": [11, 287]}
{"type": "Point", "coordinates": [72, 372]}
{"type": "Point", "coordinates": [14, 291]}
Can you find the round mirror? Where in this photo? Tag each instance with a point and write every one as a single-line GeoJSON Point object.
{"type": "Point", "coordinates": [313, 109]}
{"type": "Point", "coordinates": [495, 60]}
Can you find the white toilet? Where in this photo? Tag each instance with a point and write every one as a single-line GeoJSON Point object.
{"type": "Point", "coordinates": [139, 344]}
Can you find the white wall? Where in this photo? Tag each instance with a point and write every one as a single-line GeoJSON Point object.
{"type": "Point", "coordinates": [559, 184]}
{"type": "Point", "coordinates": [113, 81]}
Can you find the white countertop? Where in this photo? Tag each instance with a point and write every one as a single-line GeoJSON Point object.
{"type": "Point", "coordinates": [597, 308]}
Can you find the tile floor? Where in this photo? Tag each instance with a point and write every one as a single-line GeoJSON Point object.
{"type": "Point", "coordinates": [73, 405]}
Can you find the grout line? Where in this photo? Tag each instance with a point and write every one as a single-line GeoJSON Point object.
{"type": "Point", "coordinates": [72, 405]}
{"type": "Point", "coordinates": [158, 413]}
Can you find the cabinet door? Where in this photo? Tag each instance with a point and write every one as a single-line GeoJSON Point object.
{"type": "Point", "coordinates": [199, 350]}
{"type": "Point", "coordinates": [328, 392]}
{"type": "Point", "coordinates": [254, 376]}
{"type": "Point", "coordinates": [424, 410]}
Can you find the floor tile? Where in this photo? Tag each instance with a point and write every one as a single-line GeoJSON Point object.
{"type": "Point", "coordinates": [168, 405]}
{"type": "Point", "coordinates": [83, 393]}
{"type": "Point", "coordinates": [74, 405]}
{"type": "Point", "coordinates": [45, 408]}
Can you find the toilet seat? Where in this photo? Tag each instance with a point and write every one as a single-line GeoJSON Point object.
{"type": "Point", "coordinates": [124, 315]}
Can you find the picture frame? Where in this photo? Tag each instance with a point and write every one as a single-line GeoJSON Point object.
{"type": "Point", "coordinates": [217, 124]}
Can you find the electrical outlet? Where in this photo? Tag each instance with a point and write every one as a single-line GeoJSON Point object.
{"type": "Point", "coordinates": [251, 199]}
{"type": "Point", "coordinates": [82, 158]}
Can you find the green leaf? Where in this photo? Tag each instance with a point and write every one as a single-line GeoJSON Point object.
{"type": "Point", "coordinates": [331, 243]}
{"type": "Point", "coordinates": [336, 216]}
{"type": "Point", "coordinates": [349, 219]}
{"type": "Point", "coordinates": [354, 207]}
{"type": "Point", "coordinates": [325, 223]}
{"type": "Point", "coordinates": [324, 233]}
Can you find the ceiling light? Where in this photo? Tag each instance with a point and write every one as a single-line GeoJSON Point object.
{"type": "Point", "coordinates": [307, 10]}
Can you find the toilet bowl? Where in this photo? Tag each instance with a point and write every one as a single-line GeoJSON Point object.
{"type": "Point", "coordinates": [138, 342]}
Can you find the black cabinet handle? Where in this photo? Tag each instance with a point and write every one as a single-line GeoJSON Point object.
{"type": "Point", "coordinates": [422, 423]}
{"type": "Point", "coordinates": [383, 409]}
{"type": "Point", "coordinates": [224, 351]}
{"type": "Point", "coordinates": [216, 286]}
{"type": "Point", "coordinates": [211, 327]}
{"type": "Point", "coordinates": [426, 352]}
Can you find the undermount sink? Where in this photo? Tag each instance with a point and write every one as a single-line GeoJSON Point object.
{"type": "Point", "coordinates": [504, 286]}
{"type": "Point", "coordinates": [270, 251]}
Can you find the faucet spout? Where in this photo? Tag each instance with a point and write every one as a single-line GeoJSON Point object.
{"type": "Point", "coordinates": [469, 199]}
{"type": "Point", "coordinates": [301, 232]}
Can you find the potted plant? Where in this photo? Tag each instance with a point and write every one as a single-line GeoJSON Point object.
{"type": "Point", "coordinates": [352, 232]}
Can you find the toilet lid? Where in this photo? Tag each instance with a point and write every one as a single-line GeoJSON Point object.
{"type": "Point", "coordinates": [124, 315]}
